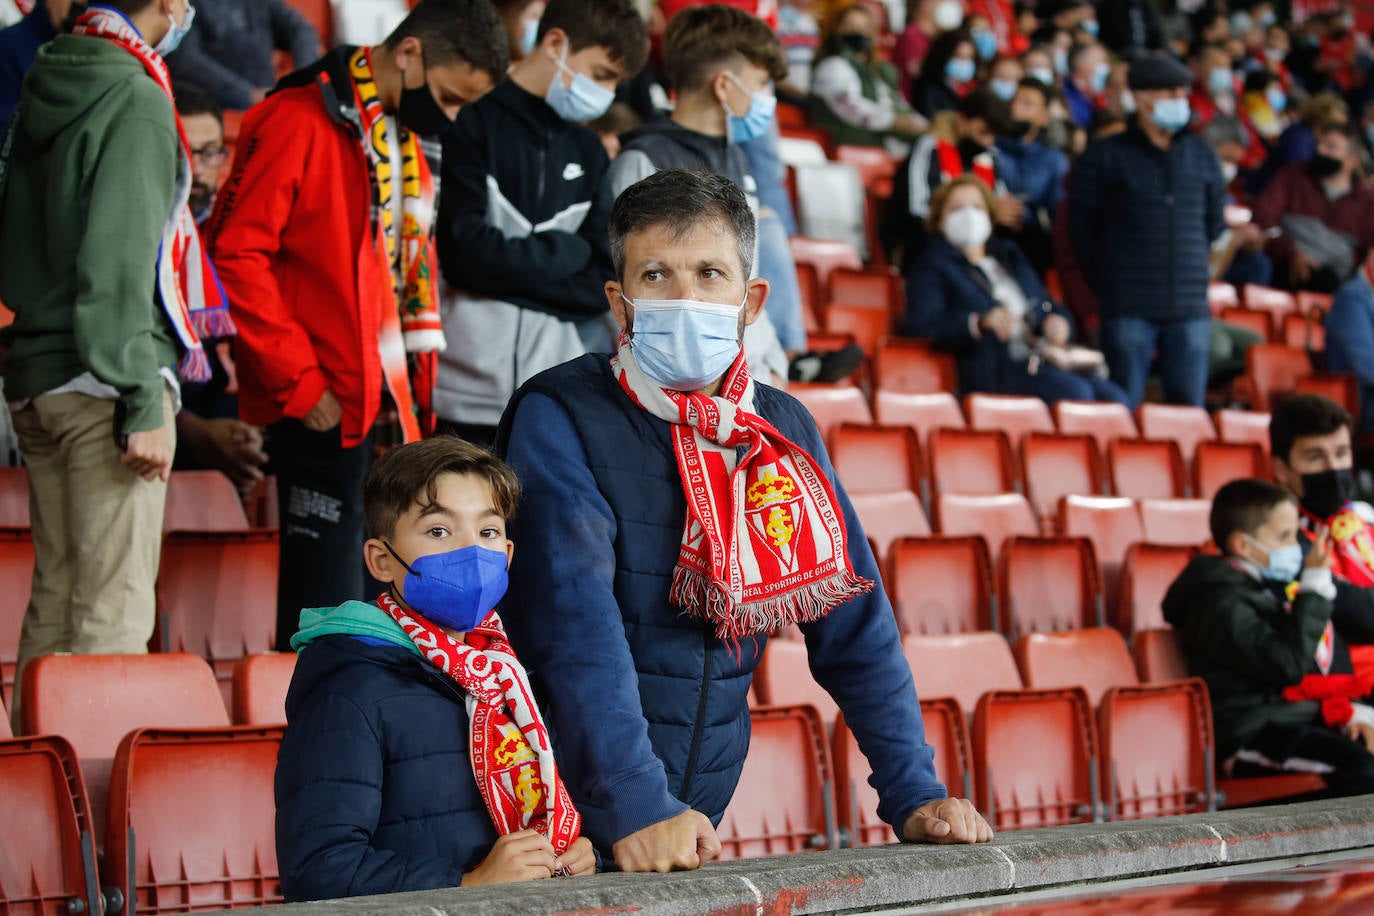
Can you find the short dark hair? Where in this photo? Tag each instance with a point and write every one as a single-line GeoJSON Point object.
{"type": "Point", "coordinates": [1259, 80]}
{"type": "Point", "coordinates": [986, 105]}
{"type": "Point", "coordinates": [611, 24]}
{"type": "Point", "coordinates": [702, 39]}
{"type": "Point", "coordinates": [682, 199]}
{"type": "Point", "coordinates": [1033, 84]}
{"type": "Point", "coordinates": [1244, 505]}
{"type": "Point", "coordinates": [453, 31]}
{"type": "Point", "coordinates": [193, 99]}
{"type": "Point", "coordinates": [1301, 415]}
{"type": "Point", "coordinates": [408, 475]}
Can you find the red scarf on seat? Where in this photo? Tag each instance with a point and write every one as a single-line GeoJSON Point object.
{"type": "Point", "coordinates": [512, 759]}
{"type": "Point", "coordinates": [764, 542]}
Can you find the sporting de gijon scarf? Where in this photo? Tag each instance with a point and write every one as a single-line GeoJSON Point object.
{"type": "Point", "coordinates": [512, 759]}
{"type": "Point", "coordinates": [764, 542]}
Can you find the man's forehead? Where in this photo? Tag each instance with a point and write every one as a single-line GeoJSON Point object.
{"type": "Point", "coordinates": [1326, 442]}
{"type": "Point", "coordinates": [694, 240]}
{"type": "Point", "coordinates": [202, 126]}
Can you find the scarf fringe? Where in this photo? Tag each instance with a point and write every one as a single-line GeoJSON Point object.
{"type": "Point", "coordinates": [213, 322]}
{"type": "Point", "coordinates": [194, 366]}
{"type": "Point", "coordinates": [705, 600]}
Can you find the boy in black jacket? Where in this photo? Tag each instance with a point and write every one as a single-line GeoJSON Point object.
{"type": "Point", "coordinates": [523, 212]}
{"type": "Point", "coordinates": [1255, 624]}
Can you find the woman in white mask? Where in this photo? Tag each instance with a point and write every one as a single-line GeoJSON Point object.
{"type": "Point", "coordinates": [976, 295]}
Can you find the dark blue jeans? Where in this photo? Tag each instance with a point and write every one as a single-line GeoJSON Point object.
{"type": "Point", "coordinates": [1183, 347]}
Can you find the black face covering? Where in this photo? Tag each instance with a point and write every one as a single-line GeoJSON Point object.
{"type": "Point", "coordinates": [1326, 492]}
{"type": "Point", "coordinates": [969, 150]}
{"type": "Point", "coordinates": [420, 112]}
{"type": "Point", "coordinates": [857, 42]}
{"type": "Point", "coordinates": [1019, 129]}
{"type": "Point", "coordinates": [1323, 166]}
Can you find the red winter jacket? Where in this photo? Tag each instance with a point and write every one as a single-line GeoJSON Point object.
{"type": "Point", "coordinates": [291, 237]}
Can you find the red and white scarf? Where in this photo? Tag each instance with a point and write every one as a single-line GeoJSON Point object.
{"type": "Point", "coordinates": [512, 758]}
{"type": "Point", "coordinates": [190, 292]}
{"type": "Point", "coordinates": [764, 542]}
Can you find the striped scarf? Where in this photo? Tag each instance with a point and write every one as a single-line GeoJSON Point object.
{"type": "Point", "coordinates": [512, 758]}
{"type": "Point", "coordinates": [763, 545]}
{"type": "Point", "coordinates": [186, 282]}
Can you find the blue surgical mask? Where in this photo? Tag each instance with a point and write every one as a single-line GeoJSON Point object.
{"type": "Point", "coordinates": [1090, 26]}
{"type": "Point", "coordinates": [1172, 114]}
{"type": "Point", "coordinates": [1277, 99]}
{"type": "Point", "coordinates": [1285, 563]}
{"type": "Point", "coordinates": [583, 101]}
{"type": "Point", "coordinates": [1043, 74]}
{"type": "Point", "coordinates": [683, 344]}
{"type": "Point", "coordinates": [457, 588]}
{"type": "Point", "coordinates": [530, 36]}
{"type": "Point", "coordinates": [1060, 58]}
{"type": "Point", "coordinates": [960, 70]}
{"type": "Point", "coordinates": [757, 121]}
{"type": "Point", "coordinates": [1098, 81]}
{"type": "Point", "coordinates": [1128, 102]}
{"type": "Point", "coordinates": [984, 43]}
{"type": "Point", "coordinates": [172, 40]}
{"type": "Point", "coordinates": [1220, 80]}
{"type": "Point", "coordinates": [1267, 18]}
{"type": "Point", "coordinates": [1003, 89]}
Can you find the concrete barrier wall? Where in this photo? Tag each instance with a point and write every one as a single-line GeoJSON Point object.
{"type": "Point", "coordinates": [907, 875]}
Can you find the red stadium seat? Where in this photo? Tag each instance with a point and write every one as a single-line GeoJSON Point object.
{"type": "Point", "coordinates": [996, 517]}
{"type": "Point", "coordinates": [1158, 656]}
{"type": "Point", "coordinates": [961, 665]}
{"type": "Point", "coordinates": [1103, 420]}
{"type": "Point", "coordinates": [1185, 522]}
{"type": "Point", "coordinates": [1147, 469]}
{"type": "Point", "coordinates": [192, 819]}
{"type": "Point", "coordinates": [887, 517]}
{"type": "Point", "coordinates": [5, 730]}
{"type": "Point", "coordinates": [940, 584]}
{"type": "Point", "coordinates": [1035, 758]}
{"type": "Point", "coordinates": [873, 163]}
{"type": "Point", "coordinates": [1185, 425]}
{"type": "Point", "coordinates": [783, 678]}
{"type": "Point", "coordinates": [1276, 302]}
{"type": "Point", "coordinates": [260, 685]}
{"type": "Point", "coordinates": [1218, 463]}
{"type": "Point", "coordinates": [971, 461]}
{"type": "Point", "coordinates": [831, 405]}
{"type": "Point", "coordinates": [47, 850]}
{"type": "Point", "coordinates": [1244, 426]}
{"type": "Point", "coordinates": [812, 298]}
{"type": "Point", "coordinates": [1144, 776]}
{"type": "Point", "coordinates": [911, 367]}
{"type": "Point", "coordinates": [203, 501]}
{"type": "Point", "coordinates": [1046, 584]}
{"type": "Point", "coordinates": [16, 575]}
{"type": "Point", "coordinates": [867, 325]}
{"type": "Point", "coordinates": [1273, 370]}
{"type": "Point", "coordinates": [1095, 659]}
{"type": "Point", "coordinates": [1341, 387]}
{"type": "Point", "coordinates": [1309, 301]}
{"type": "Point", "coordinates": [1054, 466]}
{"type": "Point", "coordinates": [14, 497]}
{"type": "Point", "coordinates": [260, 504]}
{"type": "Point", "coordinates": [1222, 295]}
{"type": "Point", "coordinates": [873, 287]}
{"type": "Point", "coordinates": [1146, 575]}
{"type": "Point", "coordinates": [1112, 524]}
{"type": "Point", "coordinates": [772, 816]}
{"type": "Point", "coordinates": [924, 413]}
{"type": "Point", "coordinates": [825, 255]}
{"type": "Point", "coordinates": [876, 459]}
{"type": "Point", "coordinates": [1253, 320]}
{"type": "Point", "coordinates": [1014, 416]}
{"type": "Point", "coordinates": [1307, 332]}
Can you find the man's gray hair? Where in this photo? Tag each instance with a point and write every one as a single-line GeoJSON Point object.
{"type": "Point", "coordinates": [681, 200]}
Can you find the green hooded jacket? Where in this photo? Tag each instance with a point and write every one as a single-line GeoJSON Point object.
{"type": "Point", "coordinates": [87, 180]}
{"type": "Point", "coordinates": [352, 618]}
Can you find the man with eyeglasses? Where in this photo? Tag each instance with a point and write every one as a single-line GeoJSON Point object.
{"type": "Point", "coordinates": [204, 125]}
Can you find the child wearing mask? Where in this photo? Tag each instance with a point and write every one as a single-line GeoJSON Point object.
{"type": "Point", "coordinates": [1256, 625]}
{"type": "Point", "coordinates": [415, 756]}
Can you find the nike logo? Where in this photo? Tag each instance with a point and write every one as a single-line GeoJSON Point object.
{"type": "Point", "coordinates": [572, 171]}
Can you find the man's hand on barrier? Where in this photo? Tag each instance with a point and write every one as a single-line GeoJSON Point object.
{"type": "Point", "coordinates": [949, 820]}
{"type": "Point", "coordinates": [686, 841]}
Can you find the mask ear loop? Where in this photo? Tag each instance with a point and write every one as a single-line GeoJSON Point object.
{"type": "Point", "coordinates": [1267, 552]}
{"type": "Point", "coordinates": [391, 586]}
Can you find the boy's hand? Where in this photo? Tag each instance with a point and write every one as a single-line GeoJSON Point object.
{"type": "Point", "coordinates": [686, 841]}
{"type": "Point", "coordinates": [1361, 734]}
{"type": "Point", "coordinates": [524, 856]}
{"type": "Point", "coordinates": [149, 454]}
{"type": "Point", "coordinates": [579, 859]}
{"type": "Point", "coordinates": [1319, 555]}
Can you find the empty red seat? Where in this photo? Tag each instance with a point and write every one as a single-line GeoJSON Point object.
{"type": "Point", "coordinates": [873, 163]}
{"type": "Point", "coordinates": [1146, 575]}
{"type": "Point", "coordinates": [867, 324]}
{"type": "Point", "coordinates": [1309, 301]}
{"type": "Point", "coordinates": [16, 575]}
{"type": "Point", "coordinates": [1257, 322]}
{"type": "Point", "coordinates": [1222, 295]}
{"type": "Point", "coordinates": [1185, 522]}
{"type": "Point", "coordinates": [1218, 463]}
{"type": "Point", "coordinates": [1158, 655]}
{"type": "Point", "coordinates": [1035, 758]}
{"type": "Point", "coordinates": [1185, 425]}
{"type": "Point", "coordinates": [996, 517]}
{"type": "Point", "coordinates": [203, 501]}
{"type": "Point", "coordinates": [825, 255]}
{"type": "Point", "coordinates": [1047, 584]}
{"type": "Point", "coordinates": [1276, 302]}
{"type": "Point", "coordinates": [812, 297]}
{"type": "Point", "coordinates": [1156, 750]}
{"type": "Point", "coordinates": [47, 851]}
{"type": "Point", "coordinates": [831, 405]}
{"type": "Point", "coordinates": [1307, 332]}
{"type": "Point", "coordinates": [14, 497]}
{"type": "Point", "coordinates": [1341, 387]}
{"type": "Point", "coordinates": [1273, 370]}
{"type": "Point", "coordinates": [961, 665]}
{"type": "Point", "coordinates": [876, 459]}
{"type": "Point", "coordinates": [1095, 659]}
{"type": "Point", "coordinates": [1112, 524]}
{"type": "Point", "coordinates": [1013, 415]}
{"type": "Point", "coordinates": [888, 516]}
{"type": "Point", "coordinates": [874, 287]}
{"type": "Point", "coordinates": [1103, 420]}
{"type": "Point", "coordinates": [923, 413]}
{"type": "Point", "coordinates": [1055, 465]}
{"type": "Point", "coordinates": [260, 685]}
{"type": "Point", "coordinates": [1244, 426]}
{"type": "Point", "coordinates": [971, 461]}
{"type": "Point", "coordinates": [913, 367]}
{"type": "Point", "coordinates": [783, 678]}
{"type": "Point", "coordinates": [192, 819]}
{"type": "Point", "coordinates": [1147, 469]}
{"type": "Point", "coordinates": [940, 584]}
{"type": "Point", "coordinates": [769, 815]}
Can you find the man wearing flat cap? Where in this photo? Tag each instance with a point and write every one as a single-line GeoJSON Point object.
{"type": "Point", "coordinates": [1144, 208]}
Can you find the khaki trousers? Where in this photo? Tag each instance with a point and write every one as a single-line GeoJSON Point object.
{"type": "Point", "coordinates": [97, 532]}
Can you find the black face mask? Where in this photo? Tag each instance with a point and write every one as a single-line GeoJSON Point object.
{"type": "Point", "coordinates": [857, 42]}
{"type": "Point", "coordinates": [968, 150]}
{"type": "Point", "coordinates": [1326, 492]}
{"type": "Point", "coordinates": [420, 112]}
{"type": "Point", "coordinates": [1323, 166]}
{"type": "Point", "coordinates": [1020, 129]}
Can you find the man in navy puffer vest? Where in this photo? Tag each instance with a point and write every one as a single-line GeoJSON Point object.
{"type": "Point", "coordinates": [643, 642]}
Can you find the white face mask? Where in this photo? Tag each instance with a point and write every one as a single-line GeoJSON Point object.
{"type": "Point", "coordinates": [1229, 171]}
{"type": "Point", "coordinates": [948, 15]}
{"type": "Point", "coordinates": [968, 227]}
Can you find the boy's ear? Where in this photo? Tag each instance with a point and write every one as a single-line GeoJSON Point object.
{"type": "Point", "coordinates": [380, 563]}
{"type": "Point", "coordinates": [510, 552]}
{"type": "Point", "coordinates": [1238, 545]}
